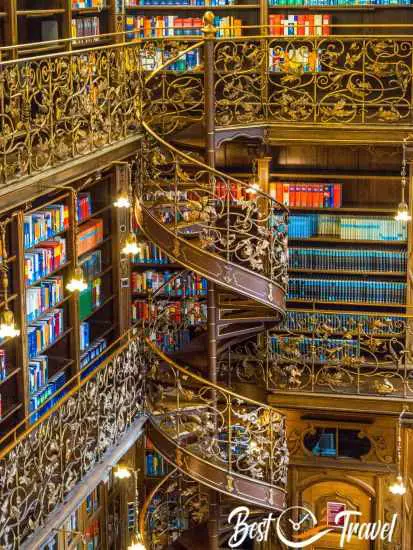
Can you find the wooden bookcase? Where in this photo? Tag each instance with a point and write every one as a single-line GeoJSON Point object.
{"type": "Point", "coordinates": [20, 389]}
{"type": "Point", "coordinates": [33, 21]}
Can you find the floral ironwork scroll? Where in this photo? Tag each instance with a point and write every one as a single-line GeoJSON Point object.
{"type": "Point", "coordinates": [41, 469]}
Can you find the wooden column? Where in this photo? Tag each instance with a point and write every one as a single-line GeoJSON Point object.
{"type": "Point", "coordinates": [209, 121]}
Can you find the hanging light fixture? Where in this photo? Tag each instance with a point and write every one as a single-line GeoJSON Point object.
{"type": "Point", "coordinates": [398, 487]}
{"type": "Point", "coordinates": [77, 282]}
{"type": "Point", "coordinates": [122, 472]}
{"type": "Point", "coordinates": [122, 201]}
{"type": "Point", "coordinates": [403, 213]}
{"type": "Point", "coordinates": [131, 246]}
{"type": "Point", "coordinates": [8, 328]}
{"type": "Point", "coordinates": [138, 545]}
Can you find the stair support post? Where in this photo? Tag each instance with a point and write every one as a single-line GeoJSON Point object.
{"type": "Point", "coordinates": [209, 123]}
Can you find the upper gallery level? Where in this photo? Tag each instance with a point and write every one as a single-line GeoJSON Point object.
{"type": "Point", "coordinates": [303, 79]}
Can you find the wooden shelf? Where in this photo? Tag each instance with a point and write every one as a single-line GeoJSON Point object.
{"type": "Point", "coordinates": [41, 13]}
{"type": "Point", "coordinates": [52, 344]}
{"type": "Point", "coordinates": [296, 173]}
{"type": "Point", "coordinates": [95, 214]}
{"type": "Point", "coordinates": [10, 410]}
{"type": "Point", "coordinates": [52, 238]}
{"type": "Point", "coordinates": [89, 11]}
{"type": "Point", "coordinates": [339, 8]}
{"type": "Point", "coordinates": [48, 311]}
{"type": "Point", "coordinates": [347, 272]}
{"type": "Point", "coordinates": [97, 245]}
{"type": "Point", "coordinates": [344, 241]}
{"type": "Point", "coordinates": [371, 210]}
{"type": "Point", "coordinates": [51, 274]}
{"type": "Point", "coordinates": [157, 266]}
{"type": "Point", "coordinates": [348, 303]}
{"type": "Point", "coordinates": [98, 308]}
{"type": "Point", "coordinates": [10, 375]}
{"type": "Point", "coordinates": [193, 8]}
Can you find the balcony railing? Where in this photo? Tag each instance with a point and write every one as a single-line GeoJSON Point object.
{"type": "Point", "coordinates": [366, 354]}
{"type": "Point", "coordinates": [59, 107]}
{"type": "Point", "coordinates": [42, 465]}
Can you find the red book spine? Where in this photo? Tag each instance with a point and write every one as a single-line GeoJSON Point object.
{"type": "Point", "coordinates": [279, 195]}
{"type": "Point", "coordinates": [326, 25]}
{"type": "Point", "coordinates": [301, 25]}
{"type": "Point", "coordinates": [298, 198]}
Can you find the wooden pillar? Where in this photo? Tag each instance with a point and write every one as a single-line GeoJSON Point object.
{"type": "Point", "coordinates": [209, 121]}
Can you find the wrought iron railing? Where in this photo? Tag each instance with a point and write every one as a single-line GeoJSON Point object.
{"type": "Point", "coordinates": [175, 505]}
{"type": "Point", "coordinates": [347, 353]}
{"type": "Point", "coordinates": [40, 468]}
{"type": "Point", "coordinates": [58, 107]}
{"type": "Point", "coordinates": [230, 221]}
{"type": "Point", "coordinates": [315, 80]}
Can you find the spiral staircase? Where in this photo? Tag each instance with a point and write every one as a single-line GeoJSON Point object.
{"type": "Point", "coordinates": [217, 227]}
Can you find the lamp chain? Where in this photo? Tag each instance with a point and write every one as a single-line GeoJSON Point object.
{"type": "Point", "coordinates": [403, 171]}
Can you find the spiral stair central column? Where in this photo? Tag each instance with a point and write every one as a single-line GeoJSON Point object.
{"type": "Point", "coordinates": [209, 121]}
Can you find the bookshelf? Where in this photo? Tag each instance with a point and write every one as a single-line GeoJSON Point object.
{"type": "Point", "coordinates": [345, 248]}
{"type": "Point", "coordinates": [36, 21]}
{"type": "Point", "coordinates": [61, 333]}
{"type": "Point", "coordinates": [181, 296]}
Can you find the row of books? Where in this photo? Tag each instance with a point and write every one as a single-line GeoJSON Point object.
{"type": "Point", "coordinates": [347, 259]}
{"type": "Point", "coordinates": [189, 285]}
{"type": "Point", "coordinates": [347, 290]}
{"type": "Point", "coordinates": [294, 60]}
{"type": "Point", "coordinates": [135, 3]}
{"type": "Point", "coordinates": [92, 352]}
{"type": "Point", "coordinates": [52, 389]}
{"type": "Point", "coordinates": [346, 227]}
{"type": "Point", "coordinates": [85, 26]}
{"type": "Point", "coordinates": [317, 346]}
{"type": "Point", "coordinates": [3, 364]}
{"type": "Point", "coordinates": [228, 27]}
{"type": "Point", "coordinates": [173, 342]}
{"type": "Point", "coordinates": [45, 224]}
{"type": "Point", "coordinates": [159, 26]}
{"type": "Point", "coordinates": [189, 310]}
{"type": "Point", "coordinates": [154, 464]}
{"type": "Point", "coordinates": [324, 3]}
{"type": "Point", "coordinates": [314, 195]}
{"type": "Point", "coordinates": [42, 297]}
{"type": "Point", "coordinates": [92, 265]}
{"type": "Point", "coordinates": [88, 4]}
{"type": "Point", "coordinates": [90, 298]}
{"type": "Point", "coordinates": [44, 333]}
{"type": "Point", "coordinates": [300, 25]}
{"type": "Point", "coordinates": [304, 321]}
{"type": "Point", "coordinates": [152, 60]}
{"type": "Point", "coordinates": [90, 235]}
{"type": "Point", "coordinates": [45, 259]}
{"type": "Point", "coordinates": [151, 254]}
{"type": "Point", "coordinates": [38, 373]}
{"type": "Point", "coordinates": [84, 206]}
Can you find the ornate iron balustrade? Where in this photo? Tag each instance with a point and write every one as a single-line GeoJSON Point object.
{"type": "Point", "coordinates": [175, 505]}
{"type": "Point", "coordinates": [59, 107]}
{"type": "Point", "coordinates": [330, 352]}
{"type": "Point", "coordinates": [314, 80]}
{"type": "Point", "coordinates": [239, 229]}
{"type": "Point", "coordinates": [229, 442]}
{"type": "Point", "coordinates": [44, 464]}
